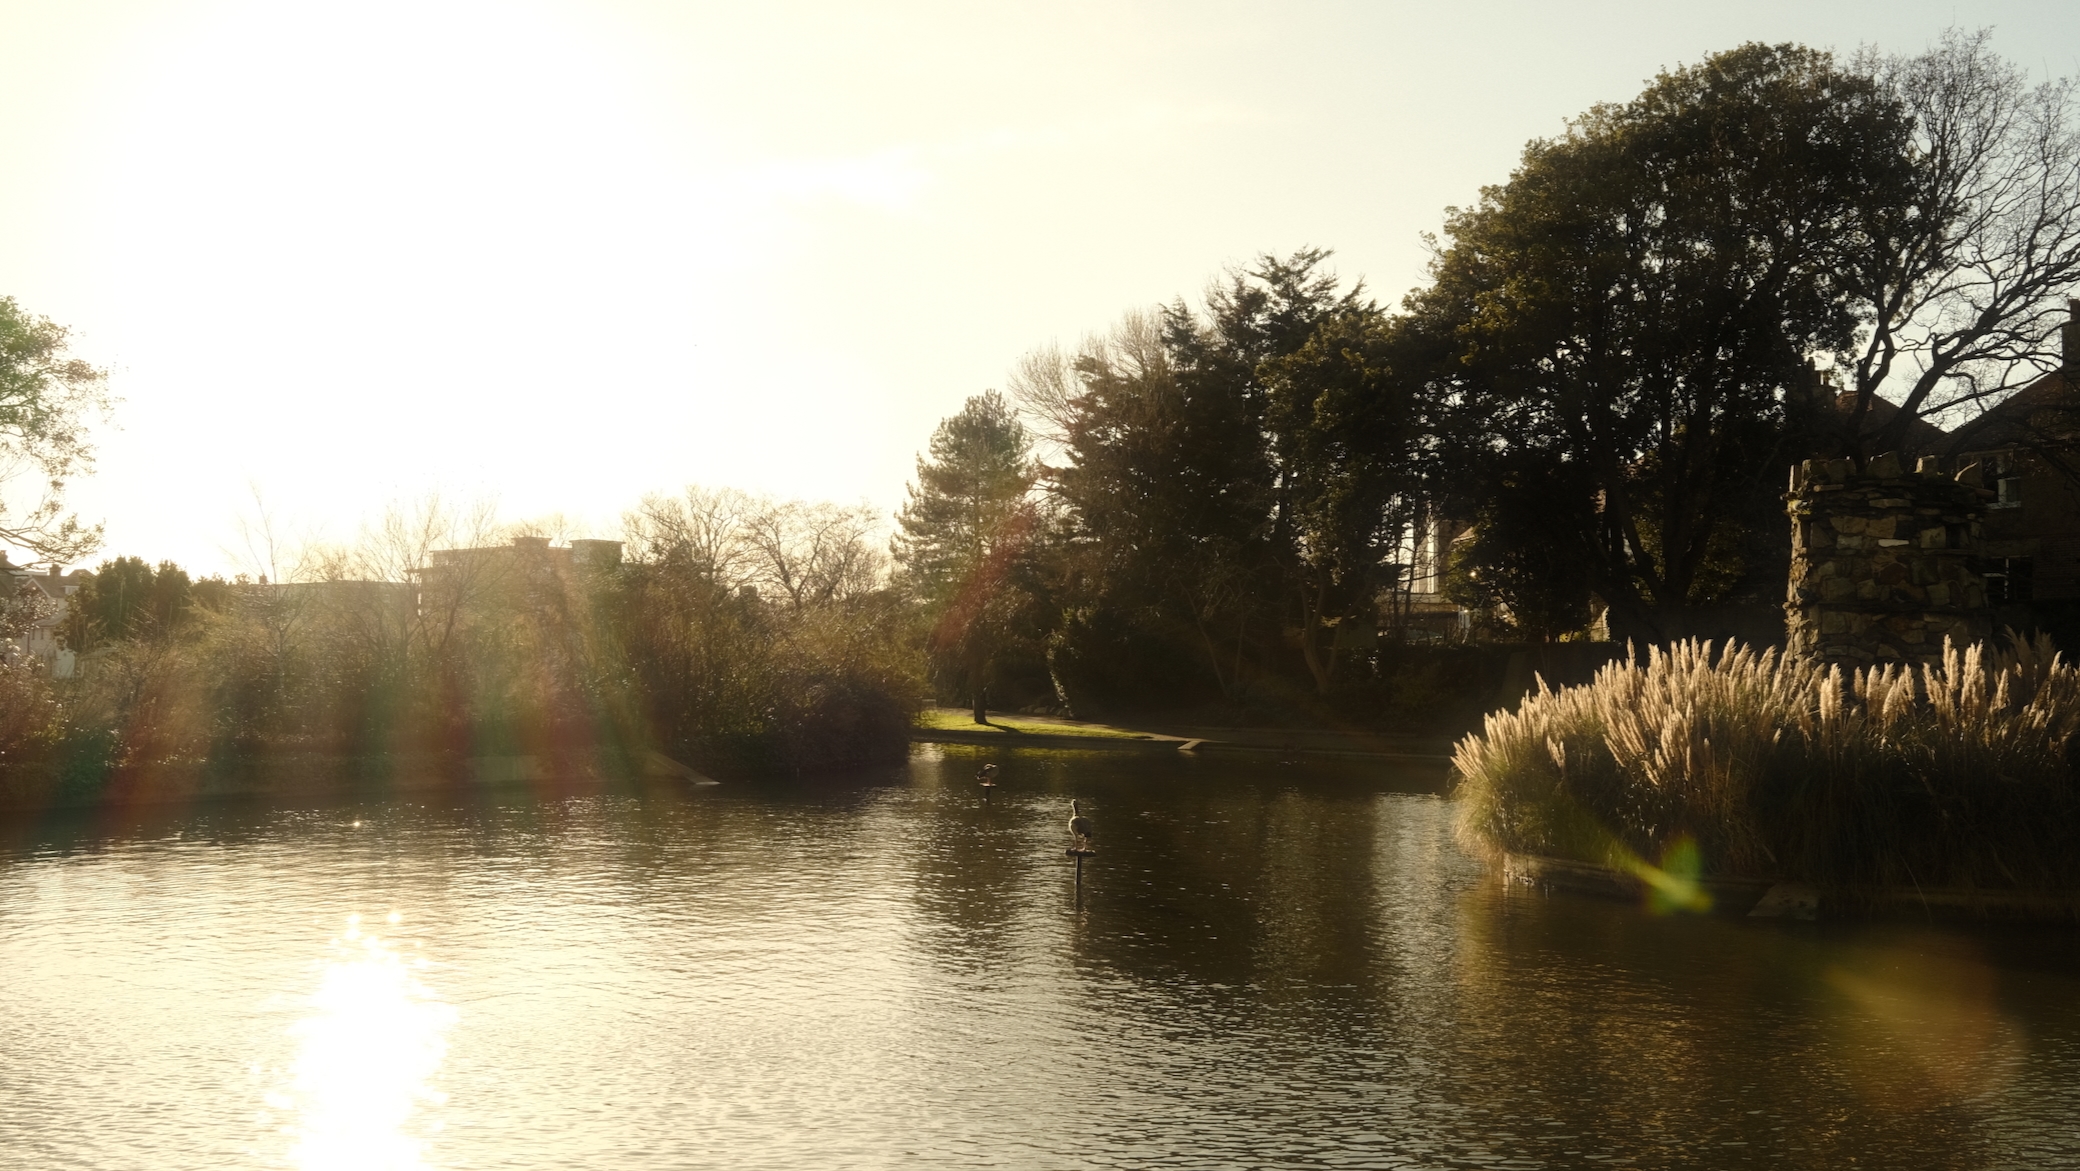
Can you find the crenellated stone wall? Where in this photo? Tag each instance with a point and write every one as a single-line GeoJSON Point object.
{"type": "Point", "coordinates": [1883, 561]}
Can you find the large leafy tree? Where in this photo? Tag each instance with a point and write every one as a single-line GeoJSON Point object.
{"type": "Point", "coordinates": [1239, 480]}
{"type": "Point", "coordinates": [965, 540]}
{"type": "Point", "coordinates": [1347, 441]}
{"type": "Point", "coordinates": [1631, 307]}
{"type": "Point", "coordinates": [1518, 561]}
{"type": "Point", "coordinates": [47, 400]}
{"type": "Point", "coordinates": [1174, 488]}
{"type": "Point", "coordinates": [126, 598]}
{"type": "Point", "coordinates": [1167, 491]}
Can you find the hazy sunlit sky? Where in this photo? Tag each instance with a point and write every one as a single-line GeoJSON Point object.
{"type": "Point", "coordinates": [564, 252]}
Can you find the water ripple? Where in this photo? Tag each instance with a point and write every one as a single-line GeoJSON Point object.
{"type": "Point", "coordinates": [1269, 967]}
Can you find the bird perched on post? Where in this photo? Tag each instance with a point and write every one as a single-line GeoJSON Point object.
{"type": "Point", "coordinates": [987, 774]}
{"type": "Point", "coordinates": [1079, 825]}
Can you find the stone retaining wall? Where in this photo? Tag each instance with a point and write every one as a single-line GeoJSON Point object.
{"type": "Point", "coordinates": [1883, 562]}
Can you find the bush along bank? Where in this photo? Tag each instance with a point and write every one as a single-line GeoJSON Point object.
{"type": "Point", "coordinates": [507, 662]}
{"type": "Point", "coordinates": [1687, 765]}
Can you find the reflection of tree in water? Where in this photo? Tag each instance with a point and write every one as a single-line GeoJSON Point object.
{"type": "Point", "coordinates": [967, 860]}
{"type": "Point", "coordinates": [1270, 963]}
{"type": "Point", "coordinates": [1676, 1040]}
{"type": "Point", "coordinates": [1315, 880]}
{"type": "Point", "coordinates": [1324, 961]}
{"type": "Point", "coordinates": [1227, 886]}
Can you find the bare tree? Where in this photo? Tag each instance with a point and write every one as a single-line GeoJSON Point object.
{"type": "Point", "coordinates": [1044, 385]}
{"type": "Point", "coordinates": [702, 529]}
{"type": "Point", "coordinates": [1047, 382]}
{"type": "Point", "coordinates": [805, 553]}
{"type": "Point", "coordinates": [814, 553]}
{"type": "Point", "coordinates": [389, 590]}
{"type": "Point", "coordinates": [554, 527]}
{"type": "Point", "coordinates": [1963, 284]}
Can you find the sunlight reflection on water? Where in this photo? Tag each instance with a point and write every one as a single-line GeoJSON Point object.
{"type": "Point", "coordinates": [1272, 966]}
{"type": "Point", "coordinates": [359, 1092]}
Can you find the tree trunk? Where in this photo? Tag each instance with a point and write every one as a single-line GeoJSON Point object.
{"type": "Point", "coordinates": [1213, 656]}
{"type": "Point", "coordinates": [1321, 661]}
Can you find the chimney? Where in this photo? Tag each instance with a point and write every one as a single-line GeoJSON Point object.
{"type": "Point", "coordinates": [604, 554]}
{"type": "Point", "coordinates": [1815, 388]}
{"type": "Point", "coordinates": [2070, 337]}
{"type": "Point", "coordinates": [57, 570]}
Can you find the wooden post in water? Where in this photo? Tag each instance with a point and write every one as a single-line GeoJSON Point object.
{"type": "Point", "coordinates": [1079, 844]}
{"type": "Point", "coordinates": [1080, 851]}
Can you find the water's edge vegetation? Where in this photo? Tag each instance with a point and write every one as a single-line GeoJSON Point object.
{"type": "Point", "coordinates": [1741, 763]}
{"type": "Point", "coordinates": [522, 650]}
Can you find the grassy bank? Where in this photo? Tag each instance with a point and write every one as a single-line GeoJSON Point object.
{"type": "Point", "coordinates": [1741, 763]}
{"type": "Point", "coordinates": [941, 719]}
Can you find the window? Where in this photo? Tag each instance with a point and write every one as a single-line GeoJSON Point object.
{"type": "Point", "coordinates": [2007, 580]}
{"type": "Point", "coordinates": [2007, 482]}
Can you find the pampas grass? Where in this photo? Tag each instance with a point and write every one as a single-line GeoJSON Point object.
{"type": "Point", "coordinates": [1957, 773]}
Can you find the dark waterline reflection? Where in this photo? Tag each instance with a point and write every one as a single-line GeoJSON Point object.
{"type": "Point", "coordinates": [1272, 965]}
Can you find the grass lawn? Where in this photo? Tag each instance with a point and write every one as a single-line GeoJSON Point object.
{"type": "Point", "coordinates": [1010, 727]}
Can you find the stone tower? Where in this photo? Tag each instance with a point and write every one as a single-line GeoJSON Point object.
{"type": "Point", "coordinates": [1882, 561]}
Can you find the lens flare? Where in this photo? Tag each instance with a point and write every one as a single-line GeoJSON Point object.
{"type": "Point", "coordinates": [1676, 884]}
{"type": "Point", "coordinates": [359, 1089]}
{"type": "Point", "coordinates": [1927, 1028]}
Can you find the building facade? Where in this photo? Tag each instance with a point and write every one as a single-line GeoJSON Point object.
{"type": "Point", "coordinates": [49, 591]}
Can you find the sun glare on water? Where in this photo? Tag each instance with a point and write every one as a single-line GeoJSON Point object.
{"type": "Point", "coordinates": [358, 1095]}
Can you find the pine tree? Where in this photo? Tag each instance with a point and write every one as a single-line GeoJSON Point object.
{"type": "Point", "coordinates": [963, 534]}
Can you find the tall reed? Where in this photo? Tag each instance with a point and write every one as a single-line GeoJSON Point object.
{"type": "Point", "coordinates": [1955, 773]}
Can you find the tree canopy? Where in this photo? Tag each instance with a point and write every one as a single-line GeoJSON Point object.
{"type": "Point", "coordinates": [47, 400]}
{"type": "Point", "coordinates": [128, 598]}
{"type": "Point", "coordinates": [965, 541]}
{"type": "Point", "coordinates": [1627, 313]}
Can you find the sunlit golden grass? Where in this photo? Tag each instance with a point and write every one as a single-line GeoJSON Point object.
{"type": "Point", "coordinates": [1951, 774]}
{"type": "Point", "coordinates": [1010, 727]}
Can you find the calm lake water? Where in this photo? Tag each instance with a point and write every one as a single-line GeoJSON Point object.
{"type": "Point", "coordinates": [1272, 966]}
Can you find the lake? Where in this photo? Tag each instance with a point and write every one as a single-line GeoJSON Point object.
{"type": "Point", "coordinates": [1270, 965]}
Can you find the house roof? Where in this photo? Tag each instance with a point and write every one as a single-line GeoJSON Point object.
{"type": "Point", "coordinates": [2045, 410]}
{"type": "Point", "coordinates": [50, 587]}
{"type": "Point", "coordinates": [1833, 413]}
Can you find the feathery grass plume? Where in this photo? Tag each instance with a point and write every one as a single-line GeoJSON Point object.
{"type": "Point", "coordinates": [1955, 773]}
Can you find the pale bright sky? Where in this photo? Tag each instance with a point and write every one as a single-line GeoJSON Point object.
{"type": "Point", "coordinates": [565, 252]}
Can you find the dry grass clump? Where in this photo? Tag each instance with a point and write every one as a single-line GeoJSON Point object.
{"type": "Point", "coordinates": [1951, 774]}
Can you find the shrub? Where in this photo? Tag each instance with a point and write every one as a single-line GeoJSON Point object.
{"type": "Point", "coordinates": [582, 669]}
{"type": "Point", "coordinates": [735, 684]}
{"type": "Point", "coordinates": [28, 714]}
{"type": "Point", "coordinates": [1957, 773]}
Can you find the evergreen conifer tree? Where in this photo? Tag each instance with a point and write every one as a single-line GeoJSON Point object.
{"type": "Point", "coordinates": [962, 535]}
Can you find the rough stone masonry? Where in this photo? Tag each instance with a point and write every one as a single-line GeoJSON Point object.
{"type": "Point", "coordinates": [1883, 561]}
